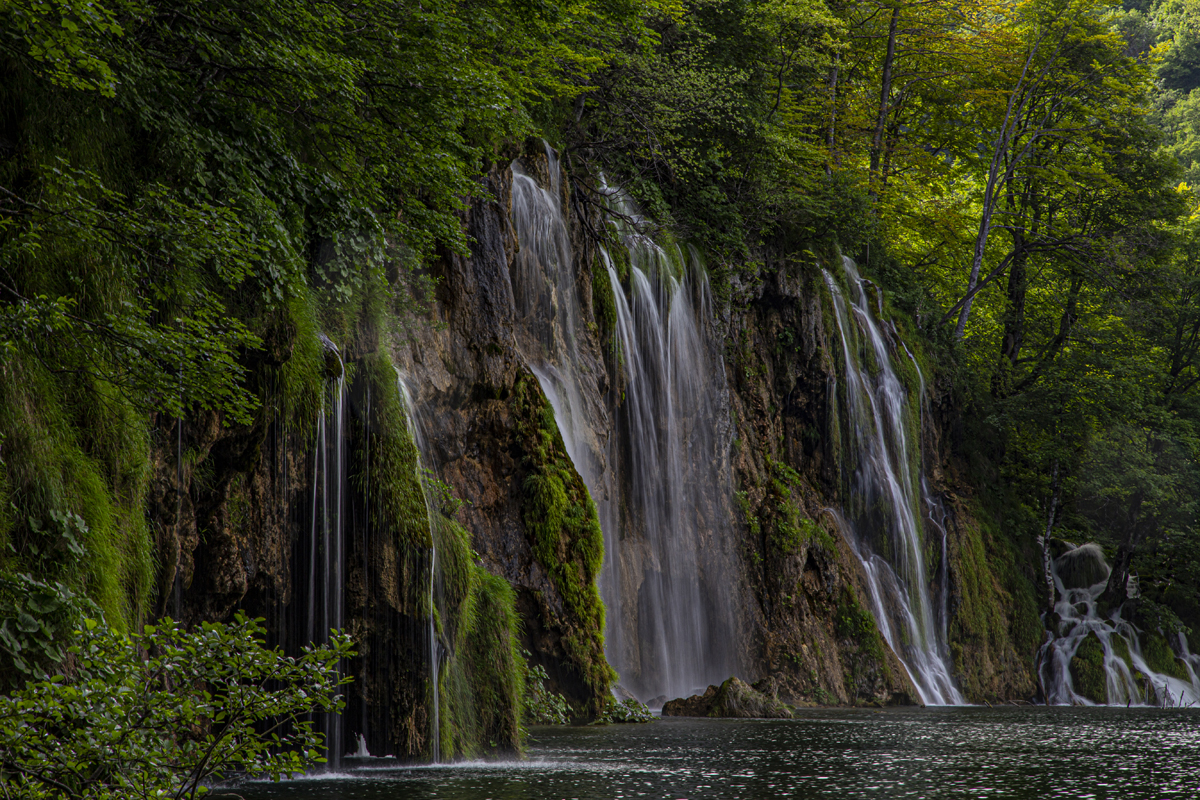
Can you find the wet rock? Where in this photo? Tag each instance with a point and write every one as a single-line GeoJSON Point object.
{"type": "Point", "coordinates": [1082, 567]}
{"type": "Point", "coordinates": [1087, 670]}
{"type": "Point", "coordinates": [622, 694]}
{"type": "Point", "coordinates": [698, 705]}
{"type": "Point", "coordinates": [738, 699]}
{"type": "Point", "coordinates": [734, 698]}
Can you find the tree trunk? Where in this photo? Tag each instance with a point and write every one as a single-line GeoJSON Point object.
{"type": "Point", "coordinates": [1014, 320]}
{"type": "Point", "coordinates": [833, 82]}
{"type": "Point", "coordinates": [1047, 570]}
{"type": "Point", "coordinates": [1116, 591]}
{"type": "Point", "coordinates": [885, 96]}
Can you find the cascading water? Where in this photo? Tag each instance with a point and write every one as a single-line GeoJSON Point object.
{"type": "Point", "coordinates": [1080, 576]}
{"type": "Point", "coordinates": [677, 474]}
{"type": "Point", "coordinates": [543, 282]}
{"type": "Point", "coordinates": [414, 430]}
{"type": "Point", "coordinates": [326, 544]}
{"type": "Point", "coordinates": [660, 481]}
{"type": "Point", "coordinates": [883, 513]}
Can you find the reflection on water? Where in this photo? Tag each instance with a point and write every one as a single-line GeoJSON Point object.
{"type": "Point", "coordinates": [897, 753]}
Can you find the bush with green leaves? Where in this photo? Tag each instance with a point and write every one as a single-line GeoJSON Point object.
{"type": "Point", "coordinates": [166, 713]}
{"type": "Point", "coordinates": [36, 621]}
{"type": "Point", "coordinates": [627, 710]}
{"type": "Point", "coordinates": [543, 706]}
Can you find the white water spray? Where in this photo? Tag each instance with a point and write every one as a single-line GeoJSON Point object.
{"type": "Point", "coordinates": [326, 546]}
{"type": "Point", "coordinates": [660, 481]}
{"type": "Point", "coordinates": [883, 513]}
{"type": "Point", "coordinates": [1080, 576]}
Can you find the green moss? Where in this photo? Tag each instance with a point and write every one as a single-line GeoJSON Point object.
{"type": "Point", "coordinates": [564, 529]}
{"type": "Point", "coordinates": [1120, 649]}
{"type": "Point", "coordinates": [997, 607]}
{"type": "Point", "coordinates": [74, 446]}
{"type": "Point", "coordinates": [743, 501]}
{"type": "Point", "coordinates": [1087, 670]}
{"type": "Point", "coordinates": [301, 379]}
{"type": "Point", "coordinates": [1160, 657]}
{"type": "Point", "coordinates": [855, 622]}
{"type": "Point", "coordinates": [495, 664]}
{"type": "Point", "coordinates": [604, 304]}
{"type": "Point", "coordinates": [791, 531]}
{"type": "Point", "coordinates": [481, 681]}
{"type": "Point", "coordinates": [392, 480]}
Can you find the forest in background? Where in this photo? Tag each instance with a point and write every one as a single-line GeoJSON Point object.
{"type": "Point", "coordinates": [190, 193]}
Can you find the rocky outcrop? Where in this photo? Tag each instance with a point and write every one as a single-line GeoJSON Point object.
{"type": "Point", "coordinates": [491, 437]}
{"type": "Point", "coordinates": [814, 637]}
{"type": "Point", "coordinates": [232, 505]}
{"type": "Point", "coordinates": [732, 699]}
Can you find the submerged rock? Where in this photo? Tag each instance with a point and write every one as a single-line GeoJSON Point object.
{"type": "Point", "coordinates": [734, 698]}
{"type": "Point", "coordinates": [1082, 567]}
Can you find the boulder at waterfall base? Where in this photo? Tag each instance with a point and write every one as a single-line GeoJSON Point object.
{"type": "Point", "coordinates": [734, 699]}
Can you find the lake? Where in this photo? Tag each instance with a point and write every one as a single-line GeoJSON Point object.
{"type": "Point", "coordinates": [1013, 752]}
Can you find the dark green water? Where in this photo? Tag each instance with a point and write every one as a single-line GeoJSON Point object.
{"type": "Point", "coordinates": [901, 753]}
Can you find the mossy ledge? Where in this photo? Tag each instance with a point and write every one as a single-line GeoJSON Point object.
{"type": "Point", "coordinates": [564, 529]}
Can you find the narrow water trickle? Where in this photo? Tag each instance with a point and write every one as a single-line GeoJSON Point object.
{"type": "Point", "coordinates": [414, 430]}
{"type": "Point", "coordinates": [326, 545]}
{"type": "Point", "coordinates": [653, 459]}
{"type": "Point", "coordinates": [883, 512]}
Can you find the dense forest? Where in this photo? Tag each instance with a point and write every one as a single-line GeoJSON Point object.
{"type": "Point", "coordinates": [195, 197]}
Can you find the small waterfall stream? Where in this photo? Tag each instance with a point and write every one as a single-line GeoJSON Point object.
{"type": "Point", "coordinates": [414, 430]}
{"type": "Point", "coordinates": [1080, 576]}
{"type": "Point", "coordinates": [326, 545]}
{"type": "Point", "coordinates": [660, 479]}
{"type": "Point", "coordinates": [883, 514]}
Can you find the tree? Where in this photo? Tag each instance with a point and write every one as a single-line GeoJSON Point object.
{"type": "Point", "coordinates": [1074, 86]}
{"type": "Point", "coordinates": [165, 712]}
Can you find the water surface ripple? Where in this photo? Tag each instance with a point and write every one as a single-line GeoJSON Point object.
{"type": "Point", "coordinates": [895, 753]}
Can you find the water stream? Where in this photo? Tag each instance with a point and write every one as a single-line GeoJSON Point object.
{"type": "Point", "coordinates": [650, 454]}
{"type": "Point", "coordinates": [1080, 576]}
{"type": "Point", "coordinates": [326, 545]}
{"type": "Point", "coordinates": [414, 430]}
{"type": "Point", "coordinates": [883, 514]}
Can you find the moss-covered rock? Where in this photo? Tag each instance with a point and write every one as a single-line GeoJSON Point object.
{"type": "Point", "coordinates": [994, 627]}
{"type": "Point", "coordinates": [734, 699]}
{"type": "Point", "coordinates": [1160, 657]}
{"type": "Point", "coordinates": [564, 530]}
{"type": "Point", "coordinates": [1082, 567]}
{"type": "Point", "coordinates": [1087, 670]}
{"type": "Point", "coordinates": [1120, 649]}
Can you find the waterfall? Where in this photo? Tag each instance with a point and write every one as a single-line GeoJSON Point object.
{"type": "Point", "coordinates": [543, 283]}
{"type": "Point", "coordinates": [326, 543]}
{"type": "Point", "coordinates": [414, 430]}
{"type": "Point", "coordinates": [883, 511]}
{"type": "Point", "coordinates": [660, 475]}
{"type": "Point", "coordinates": [1080, 576]}
{"type": "Point", "coordinates": [666, 439]}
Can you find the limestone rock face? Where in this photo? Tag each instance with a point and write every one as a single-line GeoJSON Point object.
{"type": "Point", "coordinates": [230, 504]}
{"type": "Point", "coordinates": [803, 576]}
{"type": "Point", "coordinates": [733, 699]}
